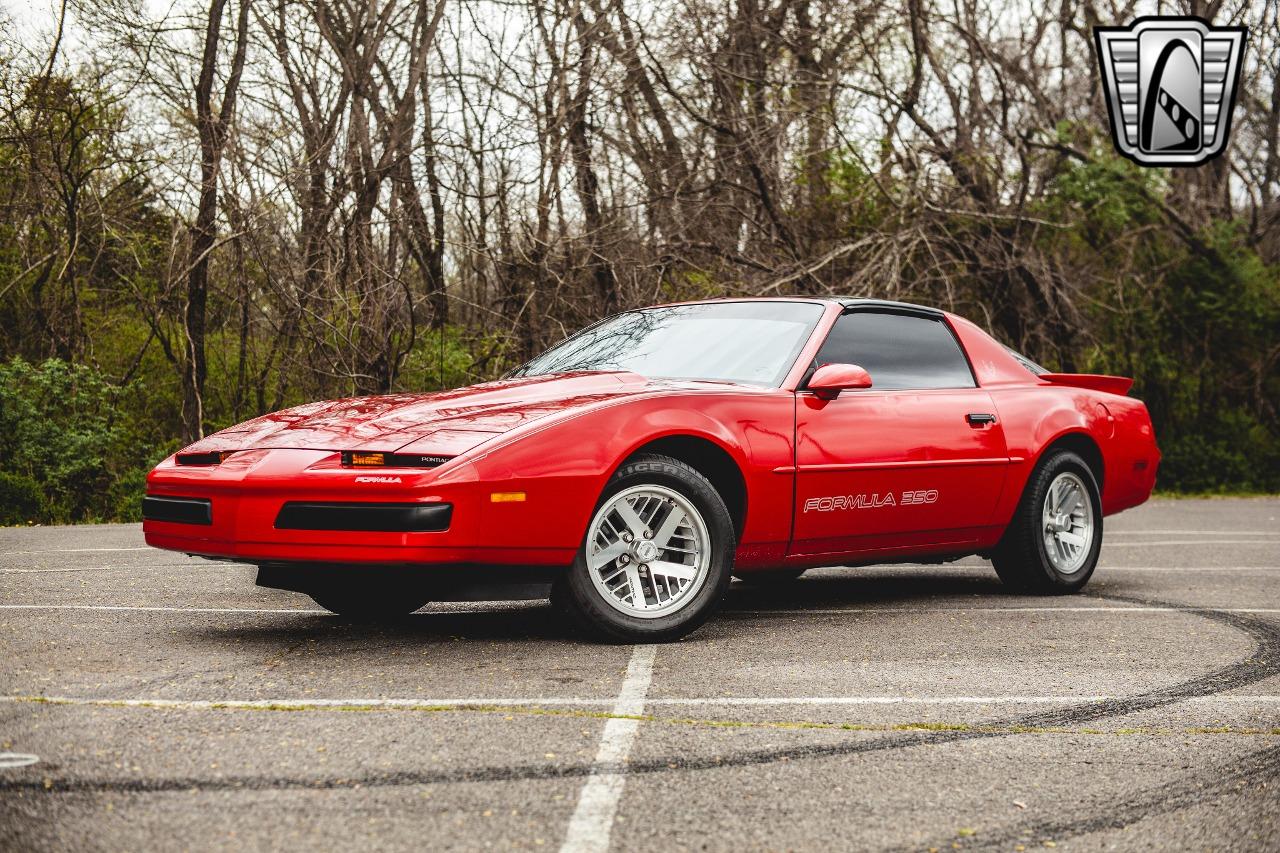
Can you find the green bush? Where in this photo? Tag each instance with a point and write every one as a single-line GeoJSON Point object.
{"type": "Point", "coordinates": [1230, 453]}
{"type": "Point", "coordinates": [63, 429]}
{"type": "Point", "coordinates": [21, 500]}
{"type": "Point", "coordinates": [1198, 335]}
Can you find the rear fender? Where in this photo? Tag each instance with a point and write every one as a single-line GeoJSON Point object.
{"type": "Point", "coordinates": [1034, 419]}
{"type": "Point", "coordinates": [1134, 456]}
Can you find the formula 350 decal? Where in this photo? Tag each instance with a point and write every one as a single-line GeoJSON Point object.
{"type": "Point", "coordinates": [870, 501]}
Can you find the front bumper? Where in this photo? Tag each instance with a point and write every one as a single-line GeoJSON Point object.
{"type": "Point", "coordinates": [302, 506]}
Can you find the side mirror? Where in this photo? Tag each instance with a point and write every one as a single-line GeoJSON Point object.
{"type": "Point", "coordinates": [830, 379]}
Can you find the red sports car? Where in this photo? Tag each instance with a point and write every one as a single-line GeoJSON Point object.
{"type": "Point", "coordinates": [630, 470]}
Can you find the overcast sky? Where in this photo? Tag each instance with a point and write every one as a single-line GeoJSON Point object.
{"type": "Point", "coordinates": [30, 16]}
{"type": "Point", "coordinates": [34, 21]}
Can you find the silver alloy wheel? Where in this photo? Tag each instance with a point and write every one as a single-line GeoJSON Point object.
{"type": "Point", "coordinates": [1067, 523]}
{"type": "Point", "coordinates": [648, 551]}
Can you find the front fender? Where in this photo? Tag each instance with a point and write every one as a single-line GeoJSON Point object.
{"type": "Point", "coordinates": [562, 468]}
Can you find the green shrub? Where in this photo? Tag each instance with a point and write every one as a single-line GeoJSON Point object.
{"type": "Point", "coordinates": [63, 429]}
{"type": "Point", "coordinates": [21, 500]}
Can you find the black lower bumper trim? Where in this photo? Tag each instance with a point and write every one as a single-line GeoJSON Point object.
{"type": "Point", "coordinates": [180, 510]}
{"type": "Point", "coordinates": [384, 517]}
{"type": "Point", "coordinates": [456, 582]}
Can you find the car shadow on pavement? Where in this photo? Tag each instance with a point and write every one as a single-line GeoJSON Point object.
{"type": "Point", "coordinates": [521, 622]}
{"type": "Point", "coordinates": [868, 587]}
{"type": "Point", "coordinates": [526, 621]}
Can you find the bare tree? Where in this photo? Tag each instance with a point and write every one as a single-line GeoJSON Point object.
{"type": "Point", "coordinates": [213, 124]}
{"type": "Point", "coordinates": [356, 197]}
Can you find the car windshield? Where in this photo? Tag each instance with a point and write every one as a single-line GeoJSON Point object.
{"type": "Point", "coordinates": [749, 342]}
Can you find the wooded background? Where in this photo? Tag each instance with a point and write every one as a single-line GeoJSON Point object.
{"type": "Point", "coordinates": [211, 210]}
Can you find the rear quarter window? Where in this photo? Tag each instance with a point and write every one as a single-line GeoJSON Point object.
{"type": "Point", "coordinates": [1027, 363]}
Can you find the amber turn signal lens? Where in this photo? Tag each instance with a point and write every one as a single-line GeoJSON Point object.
{"type": "Point", "coordinates": [379, 459]}
{"type": "Point", "coordinates": [506, 497]}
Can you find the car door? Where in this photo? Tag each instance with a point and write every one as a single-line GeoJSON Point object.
{"type": "Point", "coordinates": [917, 460]}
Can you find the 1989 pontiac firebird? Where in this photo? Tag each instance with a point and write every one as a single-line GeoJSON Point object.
{"type": "Point", "coordinates": [633, 468]}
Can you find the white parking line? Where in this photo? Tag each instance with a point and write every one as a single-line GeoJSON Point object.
{"type": "Point", "coordinates": [140, 609]}
{"type": "Point", "coordinates": [592, 820]}
{"type": "Point", "coordinates": [501, 607]}
{"type": "Point", "coordinates": [1107, 543]}
{"type": "Point", "coordinates": [828, 611]}
{"type": "Point", "coordinates": [94, 568]}
{"type": "Point", "coordinates": [317, 704]}
{"type": "Point", "coordinates": [974, 562]}
{"type": "Point", "coordinates": [933, 700]}
{"type": "Point", "coordinates": [9, 760]}
{"type": "Point", "coordinates": [798, 611]}
{"type": "Point", "coordinates": [955, 565]}
{"type": "Point", "coordinates": [80, 550]}
{"type": "Point", "coordinates": [1192, 533]}
{"type": "Point", "coordinates": [910, 568]}
{"type": "Point", "coordinates": [1186, 568]}
{"type": "Point", "coordinates": [431, 703]}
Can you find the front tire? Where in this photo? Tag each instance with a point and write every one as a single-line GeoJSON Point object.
{"type": "Point", "coordinates": [1052, 543]}
{"type": "Point", "coordinates": [656, 558]}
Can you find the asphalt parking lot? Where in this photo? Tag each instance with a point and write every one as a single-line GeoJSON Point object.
{"type": "Point", "coordinates": [170, 704]}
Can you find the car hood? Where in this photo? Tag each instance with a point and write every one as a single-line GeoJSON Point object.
{"type": "Point", "coordinates": [452, 422]}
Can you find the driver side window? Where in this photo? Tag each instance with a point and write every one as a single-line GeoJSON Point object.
{"type": "Point", "coordinates": [901, 352]}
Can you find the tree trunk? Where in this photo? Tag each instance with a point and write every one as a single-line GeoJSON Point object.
{"type": "Point", "coordinates": [586, 180]}
{"type": "Point", "coordinates": [212, 125]}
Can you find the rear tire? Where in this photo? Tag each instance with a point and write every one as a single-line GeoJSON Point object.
{"type": "Point", "coordinates": [1052, 544]}
{"type": "Point", "coordinates": [656, 558]}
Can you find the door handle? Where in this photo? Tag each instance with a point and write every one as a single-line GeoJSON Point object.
{"type": "Point", "coordinates": [979, 419]}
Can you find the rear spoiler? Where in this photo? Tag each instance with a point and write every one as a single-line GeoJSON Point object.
{"type": "Point", "coordinates": [1097, 382]}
